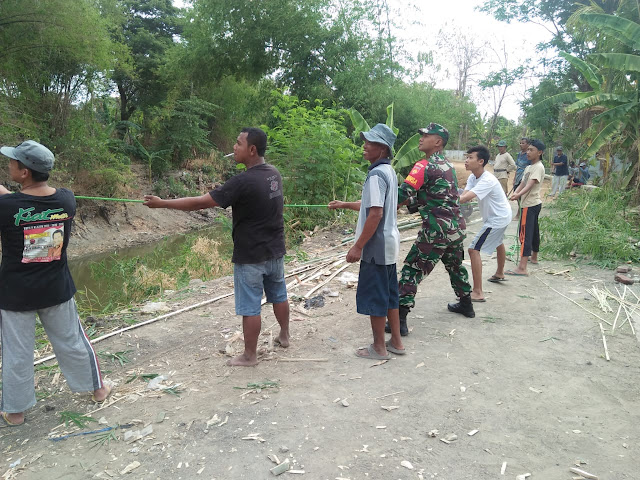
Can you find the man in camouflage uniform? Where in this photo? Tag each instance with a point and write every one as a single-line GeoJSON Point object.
{"type": "Point", "coordinates": [432, 189]}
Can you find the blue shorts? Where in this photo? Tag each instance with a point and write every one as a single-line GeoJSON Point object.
{"type": "Point", "coordinates": [377, 289]}
{"type": "Point", "coordinates": [251, 279]}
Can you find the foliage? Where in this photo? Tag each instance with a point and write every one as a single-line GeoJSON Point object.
{"type": "Point", "coordinates": [78, 419]}
{"type": "Point", "coordinates": [183, 129]}
{"type": "Point", "coordinates": [143, 33]}
{"type": "Point", "coordinates": [595, 224]}
{"type": "Point", "coordinates": [171, 265]}
{"type": "Point", "coordinates": [310, 146]}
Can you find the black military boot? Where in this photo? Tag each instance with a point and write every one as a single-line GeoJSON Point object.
{"type": "Point", "coordinates": [464, 306]}
{"type": "Point", "coordinates": [404, 330]}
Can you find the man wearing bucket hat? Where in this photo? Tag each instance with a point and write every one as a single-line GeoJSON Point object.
{"type": "Point", "coordinates": [503, 164]}
{"type": "Point", "coordinates": [432, 187]}
{"type": "Point", "coordinates": [35, 279]}
{"type": "Point", "coordinates": [377, 244]}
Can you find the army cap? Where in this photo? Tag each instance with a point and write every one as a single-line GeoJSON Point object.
{"type": "Point", "coordinates": [502, 143]}
{"type": "Point", "coordinates": [435, 129]}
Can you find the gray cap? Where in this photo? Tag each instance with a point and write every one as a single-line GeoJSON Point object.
{"type": "Point", "coordinates": [380, 134]}
{"type": "Point", "coordinates": [32, 155]}
{"type": "Point", "coordinates": [559, 147]}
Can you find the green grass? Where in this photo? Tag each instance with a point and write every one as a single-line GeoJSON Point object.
{"type": "Point", "coordinates": [597, 225]}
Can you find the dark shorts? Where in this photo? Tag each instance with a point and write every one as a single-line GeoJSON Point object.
{"type": "Point", "coordinates": [377, 289]}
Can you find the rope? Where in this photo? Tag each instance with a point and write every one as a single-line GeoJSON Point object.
{"type": "Point", "coordinates": [82, 197]}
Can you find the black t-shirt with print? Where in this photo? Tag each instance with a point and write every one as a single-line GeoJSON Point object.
{"type": "Point", "coordinates": [35, 233]}
{"type": "Point", "coordinates": [256, 201]}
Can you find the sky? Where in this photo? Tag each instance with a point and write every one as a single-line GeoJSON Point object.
{"type": "Point", "coordinates": [417, 23]}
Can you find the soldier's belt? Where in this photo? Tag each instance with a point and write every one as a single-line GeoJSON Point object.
{"type": "Point", "coordinates": [499, 169]}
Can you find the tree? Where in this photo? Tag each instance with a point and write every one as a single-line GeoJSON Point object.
{"type": "Point", "coordinates": [145, 31]}
{"type": "Point", "coordinates": [615, 96]}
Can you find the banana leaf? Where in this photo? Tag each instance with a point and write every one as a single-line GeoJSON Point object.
{"type": "Point", "coordinates": [603, 137]}
{"type": "Point", "coordinates": [589, 71]}
{"type": "Point", "coordinates": [623, 30]}
{"type": "Point", "coordinates": [625, 62]}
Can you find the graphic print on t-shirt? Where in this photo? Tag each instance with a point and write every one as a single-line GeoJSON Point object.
{"type": "Point", "coordinates": [43, 243]}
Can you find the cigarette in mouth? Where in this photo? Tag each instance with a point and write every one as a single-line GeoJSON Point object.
{"type": "Point", "coordinates": [228, 155]}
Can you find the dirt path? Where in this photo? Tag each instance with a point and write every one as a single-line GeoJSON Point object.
{"type": "Point", "coordinates": [528, 373]}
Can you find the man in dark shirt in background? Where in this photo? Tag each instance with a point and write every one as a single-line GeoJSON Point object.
{"type": "Point", "coordinates": [560, 174]}
{"type": "Point", "coordinates": [256, 201]}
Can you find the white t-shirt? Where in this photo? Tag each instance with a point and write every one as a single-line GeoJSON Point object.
{"type": "Point", "coordinates": [494, 206]}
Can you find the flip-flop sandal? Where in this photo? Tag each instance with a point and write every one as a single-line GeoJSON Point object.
{"type": "Point", "coordinates": [394, 350]}
{"type": "Point", "coordinates": [515, 274]}
{"type": "Point", "coordinates": [478, 300]}
{"type": "Point", "coordinates": [7, 422]}
{"type": "Point", "coordinates": [495, 279]}
{"type": "Point", "coordinates": [372, 354]}
{"type": "Point", "coordinates": [95, 400]}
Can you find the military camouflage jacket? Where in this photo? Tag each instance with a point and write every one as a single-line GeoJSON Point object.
{"type": "Point", "coordinates": [434, 185]}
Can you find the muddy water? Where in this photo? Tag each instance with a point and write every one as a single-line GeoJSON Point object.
{"type": "Point", "coordinates": [99, 288]}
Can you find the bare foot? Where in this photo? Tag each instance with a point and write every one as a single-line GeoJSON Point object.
{"type": "Point", "coordinates": [282, 340]}
{"type": "Point", "coordinates": [242, 361]}
{"type": "Point", "coordinates": [101, 394]}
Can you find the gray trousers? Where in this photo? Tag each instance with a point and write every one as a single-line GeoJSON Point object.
{"type": "Point", "coordinates": [71, 346]}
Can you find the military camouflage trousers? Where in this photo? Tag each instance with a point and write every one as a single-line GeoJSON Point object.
{"type": "Point", "coordinates": [421, 260]}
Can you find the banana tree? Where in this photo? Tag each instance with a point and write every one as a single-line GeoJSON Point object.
{"type": "Point", "coordinates": [615, 96]}
{"type": "Point", "coordinates": [406, 155]}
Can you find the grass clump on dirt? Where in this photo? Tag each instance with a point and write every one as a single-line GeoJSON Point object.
{"type": "Point", "coordinates": [141, 278]}
{"type": "Point", "coordinates": [598, 225]}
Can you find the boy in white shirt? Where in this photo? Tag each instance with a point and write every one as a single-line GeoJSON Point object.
{"type": "Point", "coordinates": [496, 215]}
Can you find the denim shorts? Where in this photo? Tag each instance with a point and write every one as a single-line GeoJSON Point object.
{"type": "Point", "coordinates": [251, 279]}
{"type": "Point", "coordinates": [377, 289]}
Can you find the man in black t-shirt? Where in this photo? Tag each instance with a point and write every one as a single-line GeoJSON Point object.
{"type": "Point", "coordinates": [35, 226]}
{"type": "Point", "coordinates": [256, 201]}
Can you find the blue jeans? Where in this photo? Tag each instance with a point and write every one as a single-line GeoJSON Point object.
{"type": "Point", "coordinates": [251, 279]}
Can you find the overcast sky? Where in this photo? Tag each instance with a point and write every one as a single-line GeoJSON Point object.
{"type": "Point", "coordinates": [419, 21]}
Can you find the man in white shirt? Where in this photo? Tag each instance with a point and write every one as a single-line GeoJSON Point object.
{"type": "Point", "coordinates": [496, 215]}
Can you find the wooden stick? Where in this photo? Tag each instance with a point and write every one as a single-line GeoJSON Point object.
{"type": "Point", "coordinates": [327, 280]}
{"type": "Point", "coordinates": [389, 395]}
{"type": "Point", "coordinates": [142, 324]}
{"type": "Point", "coordinates": [604, 342]}
{"type": "Point", "coordinates": [287, 359]}
{"type": "Point", "coordinates": [572, 301]}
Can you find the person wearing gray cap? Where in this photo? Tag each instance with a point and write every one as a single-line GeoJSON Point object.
{"type": "Point", "coordinates": [560, 173]}
{"type": "Point", "coordinates": [377, 243]}
{"type": "Point", "coordinates": [35, 226]}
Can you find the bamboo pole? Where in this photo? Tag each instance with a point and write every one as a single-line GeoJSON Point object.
{"type": "Point", "coordinates": [142, 324]}
{"type": "Point", "coordinates": [326, 281]}
{"type": "Point", "coordinates": [572, 301]}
